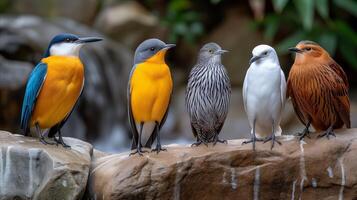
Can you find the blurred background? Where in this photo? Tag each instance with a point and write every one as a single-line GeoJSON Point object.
{"type": "Point", "coordinates": [27, 26]}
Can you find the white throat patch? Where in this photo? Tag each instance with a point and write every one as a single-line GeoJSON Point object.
{"type": "Point", "coordinates": [65, 49]}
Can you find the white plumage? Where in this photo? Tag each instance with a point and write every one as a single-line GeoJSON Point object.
{"type": "Point", "coordinates": [264, 92]}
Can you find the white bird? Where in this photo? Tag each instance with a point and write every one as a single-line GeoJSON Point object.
{"type": "Point", "coordinates": [264, 92]}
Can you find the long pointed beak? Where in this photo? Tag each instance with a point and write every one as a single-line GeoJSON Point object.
{"type": "Point", "coordinates": [168, 46]}
{"type": "Point", "coordinates": [220, 52]}
{"type": "Point", "coordinates": [294, 49]}
{"type": "Point", "coordinates": [253, 59]}
{"type": "Point", "coordinates": [88, 39]}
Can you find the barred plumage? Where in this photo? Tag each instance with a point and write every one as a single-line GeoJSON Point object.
{"type": "Point", "coordinates": [208, 94]}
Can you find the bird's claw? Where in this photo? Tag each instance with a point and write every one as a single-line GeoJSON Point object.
{"type": "Point", "coordinates": [328, 133]}
{"type": "Point", "coordinates": [43, 141]}
{"type": "Point", "coordinates": [138, 151]}
{"type": "Point", "coordinates": [303, 134]}
{"type": "Point", "coordinates": [272, 139]}
{"type": "Point", "coordinates": [60, 141]}
{"type": "Point", "coordinates": [252, 140]}
{"type": "Point", "coordinates": [158, 149]}
{"type": "Point", "coordinates": [219, 141]}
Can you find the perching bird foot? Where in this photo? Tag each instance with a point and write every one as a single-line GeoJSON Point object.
{"type": "Point", "coordinates": [198, 143]}
{"type": "Point", "coordinates": [273, 139]}
{"type": "Point", "coordinates": [43, 141]}
{"type": "Point", "coordinates": [252, 140]}
{"type": "Point", "coordinates": [138, 151]}
{"type": "Point", "coordinates": [328, 133]}
{"type": "Point", "coordinates": [305, 133]}
{"type": "Point", "coordinates": [158, 149]}
{"type": "Point", "coordinates": [60, 141]}
{"type": "Point", "coordinates": [216, 140]}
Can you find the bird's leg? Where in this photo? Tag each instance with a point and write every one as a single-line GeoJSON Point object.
{"type": "Point", "coordinates": [158, 144]}
{"type": "Point", "coordinates": [138, 148]}
{"type": "Point", "coordinates": [254, 138]}
{"type": "Point", "coordinates": [329, 132]}
{"type": "Point", "coordinates": [40, 135]}
{"type": "Point", "coordinates": [60, 140]}
{"type": "Point", "coordinates": [306, 132]}
{"type": "Point", "coordinates": [216, 139]}
{"type": "Point", "coordinates": [272, 138]}
{"type": "Point", "coordinates": [197, 143]}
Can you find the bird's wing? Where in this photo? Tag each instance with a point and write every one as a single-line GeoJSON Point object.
{"type": "Point", "coordinates": [134, 131]}
{"type": "Point", "coordinates": [52, 132]}
{"type": "Point", "coordinates": [245, 90]}
{"type": "Point", "coordinates": [33, 88]}
{"type": "Point", "coordinates": [282, 88]}
{"type": "Point", "coordinates": [340, 92]}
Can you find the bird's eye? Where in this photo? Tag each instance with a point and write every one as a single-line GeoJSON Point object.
{"type": "Point", "coordinates": [211, 51]}
{"type": "Point", "coordinates": [68, 40]}
{"type": "Point", "coordinates": [266, 53]}
{"type": "Point", "coordinates": [152, 49]}
{"type": "Point", "coordinates": [308, 49]}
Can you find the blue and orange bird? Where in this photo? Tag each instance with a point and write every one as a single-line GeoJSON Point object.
{"type": "Point", "coordinates": [54, 87]}
{"type": "Point", "coordinates": [149, 94]}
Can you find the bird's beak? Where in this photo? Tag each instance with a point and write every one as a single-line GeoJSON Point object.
{"type": "Point", "coordinates": [220, 52]}
{"type": "Point", "coordinates": [88, 40]}
{"type": "Point", "coordinates": [168, 46]}
{"type": "Point", "coordinates": [294, 49]}
{"type": "Point", "coordinates": [253, 59]}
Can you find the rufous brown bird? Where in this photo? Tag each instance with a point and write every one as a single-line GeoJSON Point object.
{"type": "Point", "coordinates": [318, 88]}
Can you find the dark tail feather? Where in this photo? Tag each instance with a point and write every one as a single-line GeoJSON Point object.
{"type": "Point", "coordinates": [133, 144]}
{"type": "Point", "coordinates": [26, 131]}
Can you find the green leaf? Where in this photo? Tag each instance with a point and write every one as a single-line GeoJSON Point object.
{"type": "Point", "coordinates": [291, 41]}
{"type": "Point", "coordinates": [348, 53]}
{"type": "Point", "coordinates": [348, 5]}
{"type": "Point", "coordinates": [271, 26]}
{"type": "Point", "coordinates": [328, 41]}
{"type": "Point", "coordinates": [306, 11]}
{"type": "Point", "coordinates": [342, 29]}
{"type": "Point", "coordinates": [279, 5]}
{"type": "Point", "coordinates": [322, 8]}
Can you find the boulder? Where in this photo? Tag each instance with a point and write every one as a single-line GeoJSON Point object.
{"type": "Point", "coordinates": [310, 169]}
{"type": "Point", "coordinates": [32, 170]}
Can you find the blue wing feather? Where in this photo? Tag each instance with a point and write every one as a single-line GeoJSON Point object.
{"type": "Point", "coordinates": [33, 88]}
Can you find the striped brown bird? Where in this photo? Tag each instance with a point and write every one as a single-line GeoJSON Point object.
{"type": "Point", "coordinates": [318, 88]}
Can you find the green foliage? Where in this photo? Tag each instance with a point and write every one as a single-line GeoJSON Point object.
{"type": "Point", "coordinates": [183, 21]}
{"type": "Point", "coordinates": [297, 20]}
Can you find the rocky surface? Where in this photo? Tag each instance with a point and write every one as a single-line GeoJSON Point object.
{"type": "Point", "coordinates": [314, 169]}
{"type": "Point", "coordinates": [32, 170]}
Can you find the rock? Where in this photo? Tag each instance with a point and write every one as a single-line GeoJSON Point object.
{"type": "Point", "coordinates": [128, 22]}
{"type": "Point", "coordinates": [101, 111]}
{"type": "Point", "coordinates": [32, 170]}
{"type": "Point", "coordinates": [13, 74]}
{"type": "Point", "coordinates": [83, 11]}
{"type": "Point", "coordinates": [314, 169]}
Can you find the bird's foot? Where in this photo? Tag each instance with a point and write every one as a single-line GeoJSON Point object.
{"type": "Point", "coordinates": [60, 141]}
{"type": "Point", "coordinates": [158, 149]}
{"type": "Point", "coordinates": [43, 141]}
{"type": "Point", "coordinates": [305, 133]}
{"type": "Point", "coordinates": [217, 140]}
{"type": "Point", "coordinates": [329, 132]}
{"type": "Point", "coordinates": [273, 139]}
{"type": "Point", "coordinates": [138, 151]}
{"type": "Point", "coordinates": [252, 140]}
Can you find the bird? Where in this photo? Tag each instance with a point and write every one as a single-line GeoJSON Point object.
{"type": "Point", "coordinates": [149, 94]}
{"type": "Point", "coordinates": [54, 86]}
{"type": "Point", "coordinates": [207, 95]}
{"type": "Point", "coordinates": [264, 94]}
{"type": "Point", "coordinates": [318, 88]}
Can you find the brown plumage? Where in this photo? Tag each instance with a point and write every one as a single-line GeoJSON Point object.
{"type": "Point", "coordinates": [318, 88]}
